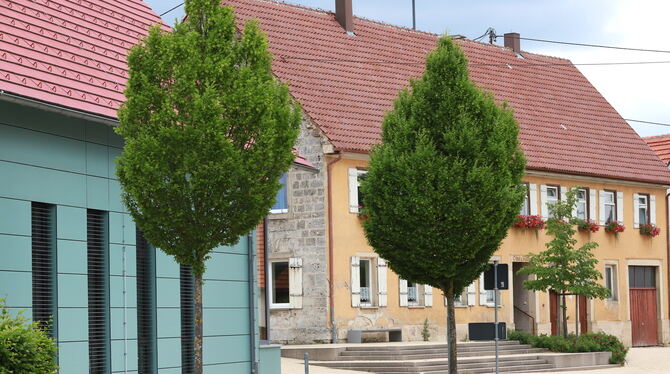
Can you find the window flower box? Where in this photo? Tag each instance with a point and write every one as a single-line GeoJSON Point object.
{"type": "Point", "coordinates": [528, 222]}
{"type": "Point", "coordinates": [587, 226]}
{"type": "Point", "coordinates": [614, 227]}
{"type": "Point", "coordinates": [650, 230]}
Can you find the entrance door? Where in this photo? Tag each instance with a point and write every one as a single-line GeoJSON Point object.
{"type": "Point", "coordinates": [583, 325]}
{"type": "Point", "coordinates": [524, 301]}
{"type": "Point", "coordinates": [553, 312]}
{"type": "Point", "coordinates": [643, 307]}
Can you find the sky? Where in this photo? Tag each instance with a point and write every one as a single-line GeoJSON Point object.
{"type": "Point", "coordinates": [639, 92]}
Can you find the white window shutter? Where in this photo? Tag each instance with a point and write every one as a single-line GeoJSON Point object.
{"type": "Point", "coordinates": [381, 282]}
{"type": "Point", "coordinates": [472, 294]}
{"type": "Point", "coordinates": [564, 192]}
{"type": "Point", "coordinates": [652, 209]}
{"type": "Point", "coordinates": [427, 295]}
{"type": "Point", "coordinates": [403, 292]}
{"type": "Point", "coordinates": [592, 204]}
{"type": "Point", "coordinates": [353, 190]}
{"type": "Point", "coordinates": [295, 282]}
{"type": "Point", "coordinates": [543, 202]}
{"type": "Point", "coordinates": [603, 219]}
{"type": "Point", "coordinates": [619, 207]}
{"type": "Point", "coordinates": [636, 211]}
{"type": "Point", "coordinates": [482, 291]}
{"type": "Point", "coordinates": [532, 188]}
{"type": "Point", "coordinates": [355, 282]}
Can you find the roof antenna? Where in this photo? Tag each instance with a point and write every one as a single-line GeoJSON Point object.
{"type": "Point", "coordinates": [492, 35]}
{"type": "Point", "coordinates": [413, 15]}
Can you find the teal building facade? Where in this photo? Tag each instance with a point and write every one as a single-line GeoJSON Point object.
{"type": "Point", "coordinates": [70, 252]}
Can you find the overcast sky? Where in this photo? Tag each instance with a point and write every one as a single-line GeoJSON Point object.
{"type": "Point", "coordinates": [638, 92]}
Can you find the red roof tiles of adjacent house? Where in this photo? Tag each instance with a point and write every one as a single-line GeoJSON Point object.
{"type": "Point", "coordinates": [661, 145]}
{"type": "Point", "coordinates": [70, 53]}
{"type": "Point", "coordinates": [566, 125]}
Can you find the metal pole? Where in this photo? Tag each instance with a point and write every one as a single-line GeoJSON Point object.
{"type": "Point", "coordinates": [413, 15]}
{"type": "Point", "coordinates": [495, 306]}
{"type": "Point", "coordinates": [306, 363]}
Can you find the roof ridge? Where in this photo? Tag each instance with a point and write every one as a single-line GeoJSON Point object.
{"type": "Point", "coordinates": [656, 136]}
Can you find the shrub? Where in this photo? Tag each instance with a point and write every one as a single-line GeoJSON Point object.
{"type": "Point", "coordinates": [24, 347]}
{"type": "Point", "coordinates": [425, 333]}
{"type": "Point", "coordinates": [589, 342]}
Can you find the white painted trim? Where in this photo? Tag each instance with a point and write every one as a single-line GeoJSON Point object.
{"type": "Point", "coordinates": [571, 177]}
{"type": "Point", "coordinates": [268, 273]}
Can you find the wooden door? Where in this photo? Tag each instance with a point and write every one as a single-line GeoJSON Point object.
{"type": "Point", "coordinates": [583, 325]}
{"type": "Point", "coordinates": [643, 305]}
{"type": "Point", "coordinates": [553, 312]}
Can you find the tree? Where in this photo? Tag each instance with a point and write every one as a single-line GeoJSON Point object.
{"type": "Point", "coordinates": [562, 268]}
{"type": "Point", "coordinates": [208, 132]}
{"type": "Point", "coordinates": [444, 185]}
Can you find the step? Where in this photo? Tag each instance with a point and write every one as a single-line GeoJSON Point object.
{"type": "Point", "coordinates": [421, 356]}
{"type": "Point", "coordinates": [445, 367]}
{"type": "Point", "coordinates": [489, 370]}
{"type": "Point", "coordinates": [367, 347]}
{"type": "Point", "coordinates": [468, 362]}
{"type": "Point", "coordinates": [403, 351]}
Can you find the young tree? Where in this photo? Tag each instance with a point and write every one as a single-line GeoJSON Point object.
{"type": "Point", "coordinates": [562, 268]}
{"type": "Point", "coordinates": [444, 186]}
{"type": "Point", "coordinates": [208, 132]}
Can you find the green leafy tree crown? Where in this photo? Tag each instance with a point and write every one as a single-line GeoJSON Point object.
{"type": "Point", "coordinates": [561, 267]}
{"type": "Point", "coordinates": [444, 186]}
{"type": "Point", "coordinates": [208, 132]}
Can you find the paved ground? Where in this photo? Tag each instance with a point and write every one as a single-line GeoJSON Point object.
{"type": "Point", "coordinates": [654, 360]}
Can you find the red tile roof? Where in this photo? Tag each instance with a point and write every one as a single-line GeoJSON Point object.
{"type": "Point", "coordinates": [70, 53]}
{"type": "Point", "coordinates": [661, 145]}
{"type": "Point", "coordinates": [566, 125]}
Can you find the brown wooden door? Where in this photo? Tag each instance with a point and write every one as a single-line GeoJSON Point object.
{"type": "Point", "coordinates": [583, 325]}
{"type": "Point", "coordinates": [553, 312]}
{"type": "Point", "coordinates": [643, 316]}
{"type": "Point", "coordinates": [643, 305]}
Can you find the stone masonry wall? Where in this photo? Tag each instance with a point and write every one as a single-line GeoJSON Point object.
{"type": "Point", "coordinates": [301, 233]}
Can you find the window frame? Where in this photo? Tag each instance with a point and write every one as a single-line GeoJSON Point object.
{"type": "Point", "coordinates": [286, 195]}
{"type": "Point", "coordinates": [271, 283]}
{"type": "Point", "coordinates": [647, 208]}
{"type": "Point", "coordinates": [614, 206]}
{"type": "Point", "coordinates": [526, 201]}
{"type": "Point", "coordinates": [558, 197]}
{"type": "Point", "coordinates": [587, 203]}
{"type": "Point", "coordinates": [372, 300]}
{"type": "Point", "coordinates": [613, 280]}
{"type": "Point", "coordinates": [357, 198]}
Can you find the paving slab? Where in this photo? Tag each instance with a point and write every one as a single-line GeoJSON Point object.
{"type": "Point", "coordinates": [649, 360]}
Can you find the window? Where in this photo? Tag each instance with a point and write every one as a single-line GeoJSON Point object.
{"type": "Point", "coordinates": [486, 297]}
{"type": "Point", "coordinates": [364, 277]}
{"type": "Point", "coordinates": [44, 266]}
{"type": "Point", "coordinates": [187, 307]}
{"type": "Point", "coordinates": [281, 200]}
{"type": "Point", "coordinates": [642, 276]}
{"type": "Point", "coordinates": [609, 203]}
{"type": "Point", "coordinates": [466, 298]}
{"type": "Point", "coordinates": [611, 281]}
{"type": "Point", "coordinates": [355, 196]}
{"type": "Point", "coordinates": [582, 206]}
{"type": "Point", "coordinates": [286, 283]}
{"type": "Point", "coordinates": [412, 293]}
{"type": "Point", "coordinates": [553, 193]}
{"type": "Point", "coordinates": [643, 209]}
{"type": "Point", "coordinates": [98, 291]}
{"type": "Point", "coordinates": [145, 264]}
{"type": "Point", "coordinates": [525, 207]}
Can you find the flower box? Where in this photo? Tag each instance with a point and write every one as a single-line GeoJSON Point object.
{"type": "Point", "coordinates": [650, 230]}
{"type": "Point", "coordinates": [528, 222]}
{"type": "Point", "coordinates": [587, 226]}
{"type": "Point", "coordinates": [614, 227]}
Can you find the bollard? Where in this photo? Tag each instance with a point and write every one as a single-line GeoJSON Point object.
{"type": "Point", "coordinates": [306, 363]}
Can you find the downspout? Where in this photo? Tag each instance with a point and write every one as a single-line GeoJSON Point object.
{"type": "Point", "coordinates": [331, 271]}
{"type": "Point", "coordinates": [252, 302]}
{"type": "Point", "coordinates": [667, 245]}
{"type": "Point", "coordinates": [266, 262]}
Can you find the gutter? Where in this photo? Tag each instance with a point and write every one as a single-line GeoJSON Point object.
{"type": "Point", "coordinates": [252, 302]}
{"type": "Point", "coordinates": [331, 271]}
{"type": "Point", "coordinates": [58, 109]}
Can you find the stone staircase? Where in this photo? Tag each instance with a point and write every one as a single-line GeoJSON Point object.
{"type": "Point", "coordinates": [473, 357]}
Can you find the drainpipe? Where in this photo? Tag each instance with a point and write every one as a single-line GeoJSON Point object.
{"type": "Point", "coordinates": [667, 243]}
{"type": "Point", "coordinates": [266, 262]}
{"type": "Point", "coordinates": [252, 302]}
{"type": "Point", "coordinates": [331, 271]}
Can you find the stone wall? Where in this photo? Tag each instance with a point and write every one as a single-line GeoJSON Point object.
{"type": "Point", "coordinates": [301, 233]}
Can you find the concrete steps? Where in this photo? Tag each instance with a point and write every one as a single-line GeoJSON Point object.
{"type": "Point", "coordinates": [434, 352]}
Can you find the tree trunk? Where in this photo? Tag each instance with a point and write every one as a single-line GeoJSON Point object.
{"type": "Point", "coordinates": [451, 329]}
{"type": "Point", "coordinates": [564, 307]}
{"type": "Point", "coordinates": [197, 295]}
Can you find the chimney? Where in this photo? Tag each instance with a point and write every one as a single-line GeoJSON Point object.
{"type": "Point", "coordinates": [344, 14]}
{"type": "Point", "coordinates": [513, 41]}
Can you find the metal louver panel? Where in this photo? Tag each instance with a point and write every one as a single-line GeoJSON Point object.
{"type": "Point", "coordinates": [187, 320]}
{"type": "Point", "coordinates": [98, 292]}
{"type": "Point", "coordinates": [146, 306]}
{"type": "Point", "coordinates": [44, 266]}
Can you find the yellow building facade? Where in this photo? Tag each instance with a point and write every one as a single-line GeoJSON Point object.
{"type": "Point", "coordinates": [387, 305]}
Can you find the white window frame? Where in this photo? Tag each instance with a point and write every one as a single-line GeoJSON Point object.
{"type": "Point", "coordinates": [370, 282]}
{"type": "Point", "coordinates": [354, 185]}
{"type": "Point", "coordinates": [644, 206]}
{"type": "Point", "coordinates": [270, 274]}
{"type": "Point", "coordinates": [285, 210]}
{"type": "Point", "coordinates": [614, 289]}
{"type": "Point", "coordinates": [466, 298]}
{"type": "Point", "coordinates": [612, 204]}
{"type": "Point", "coordinates": [550, 200]}
{"type": "Point", "coordinates": [525, 207]}
{"type": "Point", "coordinates": [586, 202]}
{"type": "Point", "coordinates": [487, 293]}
